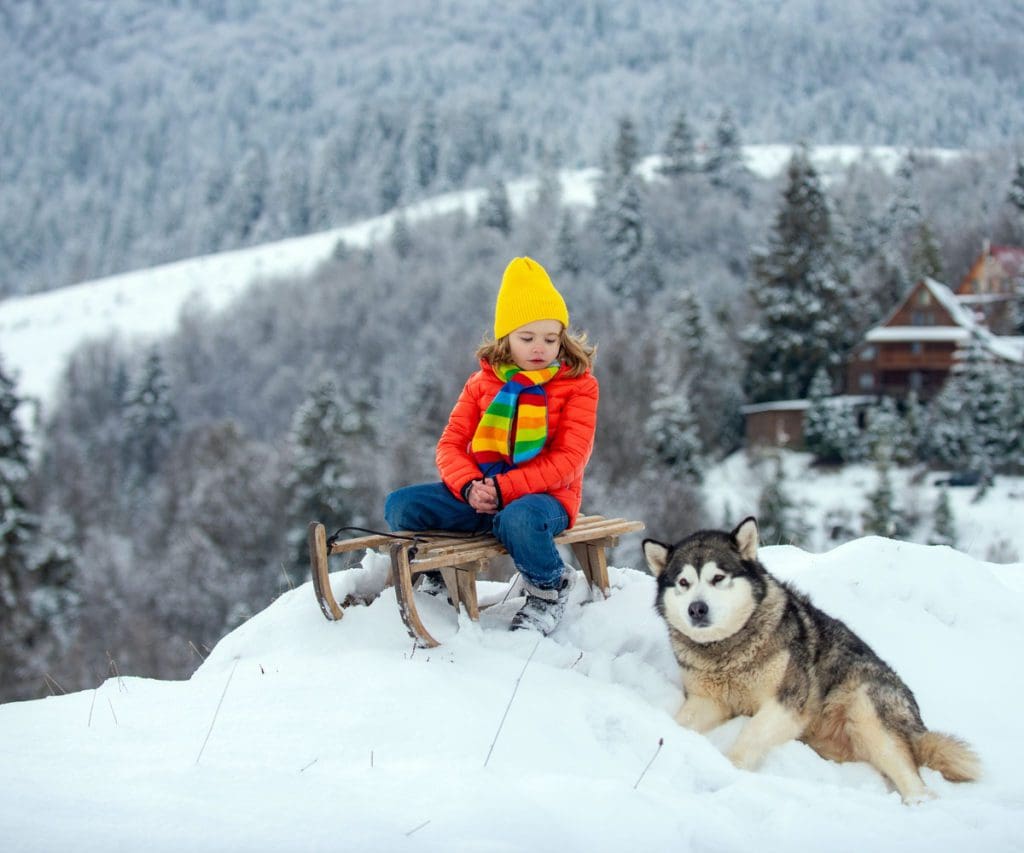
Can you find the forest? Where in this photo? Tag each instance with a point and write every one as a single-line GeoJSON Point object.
{"type": "Point", "coordinates": [167, 493]}
{"type": "Point", "coordinates": [136, 133]}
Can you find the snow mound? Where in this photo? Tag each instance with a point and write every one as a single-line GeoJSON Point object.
{"type": "Point", "coordinates": [299, 733]}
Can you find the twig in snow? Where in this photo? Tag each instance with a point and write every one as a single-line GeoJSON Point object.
{"type": "Point", "coordinates": [112, 712]}
{"type": "Point", "coordinates": [217, 711]}
{"type": "Point", "coordinates": [114, 671]}
{"type": "Point", "coordinates": [417, 828]}
{"type": "Point", "coordinates": [52, 682]}
{"type": "Point", "coordinates": [92, 705]}
{"type": "Point", "coordinates": [577, 660]}
{"type": "Point", "coordinates": [199, 654]}
{"type": "Point", "coordinates": [311, 763]}
{"type": "Point", "coordinates": [512, 697]}
{"type": "Point", "coordinates": [287, 578]}
{"type": "Point", "coordinates": [661, 742]}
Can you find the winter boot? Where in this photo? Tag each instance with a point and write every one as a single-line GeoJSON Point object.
{"type": "Point", "coordinates": [544, 607]}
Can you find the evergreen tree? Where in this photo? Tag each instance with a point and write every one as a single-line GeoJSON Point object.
{"type": "Point", "coordinates": [724, 164]}
{"type": "Point", "coordinates": [943, 524]}
{"type": "Point", "coordinates": [152, 419]}
{"type": "Point", "coordinates": [495, 210]}
{"type": "Point", "coordinates": [426, 149]}
{"type": "Point", "coordinates": [329, 435]}
{"type": "Point", "coordinates": [401, 237]}
{"type": "Point", "coordinates": [830, 426]}
{"type": "Point", "coordinates": [631, 270]}
{"type": "Point", "coordinates": [777, 519]}
{"type": "Point", "coordinates": [801, 290]}
{"type": "Point", "coordinates": [626, 150]}
{"type": "Point", "coordinates": [17, 527]}
{"type": "Point", "coordinates": [680, 154]}
{"type": "Point", "coordinates": [35, 575]}
{"type": "Point", "coordinates": [969, 417]}
{"type": "Point", "coordinates": [671, 432]}
{"type": "Point", "coordinates": [881, 517]}
{"type": "Point", "coordinates": [567, 250]}
{"type": "Point", "coordinates": [886, 429]}
{"type": "Point", "coordinates": [925, 259]}
{"type": "Point", "coordinates": [1016, 194]}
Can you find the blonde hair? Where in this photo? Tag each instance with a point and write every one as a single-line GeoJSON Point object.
{"type": "Point", "coordinates": [574, 351]}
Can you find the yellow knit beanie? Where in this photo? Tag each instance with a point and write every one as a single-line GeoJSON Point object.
{"type": "Point", "coordinates": [526, 294]}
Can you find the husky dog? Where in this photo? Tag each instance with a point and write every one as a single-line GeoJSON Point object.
{"type": "Point", "coordinates": [748, 644]}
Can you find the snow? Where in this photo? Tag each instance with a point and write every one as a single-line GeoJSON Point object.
{"type": "Point", "coordinates": [298, 733]}
{"type": "Point", "coordinates": [825, 497]}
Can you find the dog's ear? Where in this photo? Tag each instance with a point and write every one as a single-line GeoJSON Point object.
{"type": "Point", "coordinates": [656, 555]}
{"type": "Point", "coordinates": [745, 536]}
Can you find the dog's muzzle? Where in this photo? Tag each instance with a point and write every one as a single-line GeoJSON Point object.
{"type": "Point", "coordinates": [698, 613]}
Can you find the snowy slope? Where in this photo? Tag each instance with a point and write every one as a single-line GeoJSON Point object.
{"type": "Point", "coordinates": [300, 734]}
{"type": "Point", "coordinates": [38, 333]}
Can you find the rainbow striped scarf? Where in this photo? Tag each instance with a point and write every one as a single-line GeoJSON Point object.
{"type": "Point", "coordinates": [515, 425]}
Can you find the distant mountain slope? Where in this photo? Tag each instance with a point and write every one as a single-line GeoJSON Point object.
{"type": "Point", "coordinates": [145, 133]}
{"type": "Point", "coordinates": [39, 332]}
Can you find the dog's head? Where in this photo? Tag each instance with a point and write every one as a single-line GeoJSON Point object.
{"type": "Point", "coordinates": [710, 583]}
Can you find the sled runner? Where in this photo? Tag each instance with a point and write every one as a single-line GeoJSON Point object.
{"type": "Point", "coordinates": [459, 558]}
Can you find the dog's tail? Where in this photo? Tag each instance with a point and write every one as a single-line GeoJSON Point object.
{"type": "Point", "coordinates": [950, 755]}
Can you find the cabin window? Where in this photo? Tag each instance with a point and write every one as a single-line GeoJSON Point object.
{"type": "Point", "coordinates": [916, 347]}
{"type": "Point", "coordinates": [924, 297]}
{"type": "Point", "coordinates": [868, 354]}
{"type": "Point", "coordinates": [867, 381]}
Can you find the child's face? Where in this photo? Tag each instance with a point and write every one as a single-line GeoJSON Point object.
{"type": "Point", "coordinates": [535, 345]}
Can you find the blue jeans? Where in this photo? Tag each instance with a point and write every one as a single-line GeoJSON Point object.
{"type": "Point", "coordinates": [527, 527]}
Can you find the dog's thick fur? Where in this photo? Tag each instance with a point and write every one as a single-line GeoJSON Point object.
{"type": "Point", "coordinates": [748, 644]}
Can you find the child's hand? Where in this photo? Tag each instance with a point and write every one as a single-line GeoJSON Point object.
{"type": "Point", "coordinates": [483, 496]}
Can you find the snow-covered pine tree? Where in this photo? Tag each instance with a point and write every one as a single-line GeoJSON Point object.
{"type": "Point", "coordinates": [925, 257]}
{"type": "Point", "coordinates": [801, 289]}
{"type": "Point", "coordinates": [152, 418]}
{"type": "Point", "coordinates": [630, 270]}
{"type": "Point", "coordinates": [819, 434]}
{"type": "Point", "coordinates": [725, 155]}
{"type": "Point", "coordinates": [35, 574]}
{"type": "Point", "coordinates": [680, 153]}
{"type": "Point", "coordinates": [671, 433]}
{"type": "Point", "coordinates": [567, 250]}
{"type": "Point", "coordinates": [17, 527]}
{"type": "Point", "coordinates": [777, 520]}
{"type": "Point", "coordinates": [426, 148]}
{"type": "Point", "coordinates": [881, 517]}
{"type": "Point", "coordinates": [887, 429]}
{"type": "Point", "coordinates": [943, 524]}
{"type": "Point", "coordinates": [330, 432]}
{"type": "Point", "coordinates": [495, 209]}
{"type": "Point", "coordinates": [1015, 196]}
{"type": "Point", "coordinates": [969, 417]}
{"type": "Point", "coordinates": [625, 150]}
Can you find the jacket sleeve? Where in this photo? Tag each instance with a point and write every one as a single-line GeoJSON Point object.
{"type": "Point", "coordinates": [454, 463]}
{"type": "Point", "coordinates": [564, 458]}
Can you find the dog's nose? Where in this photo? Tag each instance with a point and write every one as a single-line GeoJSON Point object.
{"type": "Point", "coordinates": [698, 610]}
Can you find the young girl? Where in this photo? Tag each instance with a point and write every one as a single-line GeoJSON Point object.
{"type": "Point", "coordinates": [512, 456]}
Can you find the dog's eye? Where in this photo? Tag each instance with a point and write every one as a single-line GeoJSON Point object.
{"type": "Point", "coordinates": [684, 583]}
{"type": "Point", "coordinates": [717, 579]}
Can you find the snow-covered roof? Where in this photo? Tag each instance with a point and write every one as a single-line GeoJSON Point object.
{"type": "Point", "coordinates": [964, 326]}
{"type": "Point", "coordinates": [888, 334]}
{"type": "Point", "coordinates": [803, 405]}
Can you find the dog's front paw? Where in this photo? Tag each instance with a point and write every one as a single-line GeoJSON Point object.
{"type": "Point", "coordinates": [744, 759]}
{"type": "Point", "coordinates": [700, 714]}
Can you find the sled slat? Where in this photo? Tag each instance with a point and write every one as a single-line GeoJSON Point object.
{"type": "Point", "coordinates": [460, 558]}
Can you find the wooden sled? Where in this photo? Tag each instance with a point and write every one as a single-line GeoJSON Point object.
{"type": "Point", "coordinates": [459, 558]}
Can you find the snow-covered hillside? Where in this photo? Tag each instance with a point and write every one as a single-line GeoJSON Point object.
{"type": "Point", "coordinates": [300, 734]}
{"type": "Point", "coordinates": [38, 333]}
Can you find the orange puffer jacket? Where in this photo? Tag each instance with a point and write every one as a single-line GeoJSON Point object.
{"type": "Point", "coordinates": [557, 470]}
